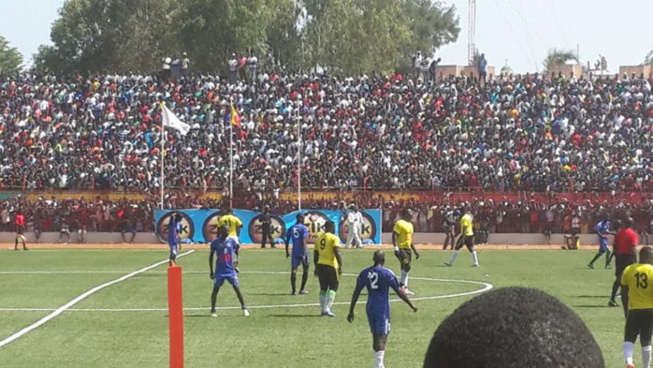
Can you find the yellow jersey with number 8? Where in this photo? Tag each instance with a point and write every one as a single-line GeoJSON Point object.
{"type": "Point", "coordinates": [326, 245]}
{"type": "Point", "coordinates": [639, 279]}
{"type": "Point", "coordinates": [404, 231]}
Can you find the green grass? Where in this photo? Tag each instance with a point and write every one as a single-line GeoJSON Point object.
{"type": "Point", "coordinates": [271, 337]}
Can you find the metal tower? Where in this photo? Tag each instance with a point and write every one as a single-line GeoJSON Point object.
{"type": "Point", "coordinates": [472, 31]}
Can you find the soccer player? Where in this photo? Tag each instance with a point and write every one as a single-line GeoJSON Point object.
{"type": "Point", "coordinates": [448, 225]}
{"type": "Point", "coordinates": [378, 280]}
{"type": "Point", "coordinates": [402, 240]}
{"type": "Point", "coordinates": [298, 233]}
{"type": "Point", "coordinates": [174, 230]}
{"type": "Point", "coordinates": [226, 249]}
{"type": "Point", "coordinates": [19, 221]}
{"type": "Point", "coordinates": [602, 229]}
{"type": "Point", "coordinates": [513, 327]}
{"type": "Point", "coordinates": [328, 266]}
{"type": "Point", "coordinates": [234, 224]}
{"type": "Point", "coordinates": [625, 243]}
{"type": "Point", "coordinates": [639, 317]}
{"type": "Point", "coordinates": [467, 236]}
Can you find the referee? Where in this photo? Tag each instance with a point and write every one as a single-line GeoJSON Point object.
{"type": "Point", "coordinates": [266, 228]}
{"type": "Point", "coordinates": [625, 244]}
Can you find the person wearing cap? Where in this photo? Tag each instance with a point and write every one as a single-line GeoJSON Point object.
{"type": "Point", "coordinates": [355, 225]}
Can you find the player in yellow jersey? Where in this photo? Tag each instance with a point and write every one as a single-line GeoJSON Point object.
{"type": "Point", "coordinates": [233, 222]}
{"type": "Point", "coordinates": [235, 225]}
{"type": "Point", "coordinates": [637, 289]}
{"type": "Point", "coordinates": [328, 266]}
{"type": "Point", "coordinates": [402, 240]}
{"type": "Point", "coordinates": [466, 237]}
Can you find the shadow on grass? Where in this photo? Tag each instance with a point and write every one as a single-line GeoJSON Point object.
{"type": "Point", "coordinates": [593, 296]}
{"type": "Point", "coordinates": [270, 294]}
{"type": "Point", "coordinates": [592, 306]}
{"type": "Point", "coordinates": [294, 315]}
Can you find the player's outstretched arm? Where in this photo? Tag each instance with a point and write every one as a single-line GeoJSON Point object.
{"type": "Point", "coordinates": [412, 246]}
{"type": "Point", "coordinates": [354, 300]}
{"type": "Point", "coordinates": [211, 262]}
{"type": "Point", "coordinates": [336, 253]}
{"type": "Point", "coordinates": [287, 242]}
{"type": "Point", "coordinates": [403, 297]}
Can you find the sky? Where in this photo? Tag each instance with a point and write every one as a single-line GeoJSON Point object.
{"type": "Point", "coordinates": [517, 31]}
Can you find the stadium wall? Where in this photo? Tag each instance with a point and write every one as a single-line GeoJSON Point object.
{"type": "Point", "coordinates": [419, 238]}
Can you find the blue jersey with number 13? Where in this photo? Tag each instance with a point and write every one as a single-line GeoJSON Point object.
{"type": "Point", "coordinates": [378, 281]}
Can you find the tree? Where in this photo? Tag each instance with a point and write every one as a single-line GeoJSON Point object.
{"type": "Point", "coordinates": [558, 57]}
{"type": "Point", "coordinates": [353, 36]}
{"type": "Point", "coordinates": [10, 59]}
{"type": "Point", "coordinates": [432, 25]}
{"type": "Point", "coordinates": [108, 36]}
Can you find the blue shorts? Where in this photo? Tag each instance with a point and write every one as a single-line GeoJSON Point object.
{"type": "Point", "coordinates": [379, 325]}
{"type": "Point", "coordinates": [219, 280]}
{"type": "Point", "coordinates": [603, 245]}
{"type": "Point", "coordinates": [173, 251]}
{"type": "Point", "coordinates": [298, 260]}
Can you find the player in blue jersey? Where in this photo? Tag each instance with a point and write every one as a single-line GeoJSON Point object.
{"type": "Point", "coordinates": [226, 249]}
{"type": "Point", "coordinates": [602, 229]}
{"type": "Point", "coordinates": [174, 230]}
{"type": "Point", "coordinates": [298, 233]}
{"type": "Point", "coordinates": [378, 280]}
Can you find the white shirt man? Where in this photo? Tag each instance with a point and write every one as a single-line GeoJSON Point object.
{"type": "Point", "coordinates": [355, 226]}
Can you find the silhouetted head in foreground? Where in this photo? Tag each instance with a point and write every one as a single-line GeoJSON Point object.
{"type": "Point", "coordinates": [513, 327]}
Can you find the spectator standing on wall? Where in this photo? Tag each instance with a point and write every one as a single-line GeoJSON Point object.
{"type": "Point", "coordinates": [242, 68]}
{"type": "Point", "coordinates": [417, 64]}
{"type": "Point", "coordinates": [433, 77]}
{"type": "Point", "coordinates": [185, 64]}
{"type": "Point", "coordinates": [482, 69]}
{"type": "Point", "coordinates": [233, 69]}
{"type": "Point", "coordinates": [166, 69]}
{"type": "Point", "coordinates": [252, 64]}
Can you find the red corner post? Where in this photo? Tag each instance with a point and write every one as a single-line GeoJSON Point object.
{"type": "Point", "coordinates": [175, 317]}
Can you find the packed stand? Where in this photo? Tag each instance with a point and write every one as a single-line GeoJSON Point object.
{"type": "Point", "coordinates": [509, 215]}
{"type": "Point", "coordinates": [508, 133]}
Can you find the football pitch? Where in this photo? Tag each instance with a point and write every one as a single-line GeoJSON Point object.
{"type": "Point", "coordinates": [120, 318]}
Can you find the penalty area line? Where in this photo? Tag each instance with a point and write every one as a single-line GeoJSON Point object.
{"type": "Point", "coordinates": [78, 299]}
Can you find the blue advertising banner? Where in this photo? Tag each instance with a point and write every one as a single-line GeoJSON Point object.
{"type": "Point", "coordinates": [200, 226]}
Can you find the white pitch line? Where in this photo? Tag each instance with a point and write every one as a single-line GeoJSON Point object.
{"type": "Point", "coordinates": [78, 299]}
{"type": "Point", "coordinates": [486, 287]}
{"type": "Point", "coordinates": [99, 272]}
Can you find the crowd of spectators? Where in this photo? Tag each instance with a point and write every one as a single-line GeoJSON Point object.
{"type": "Point", "coordinates": [510, 133]}
{"type": "Point", "coordinates": [509, 215]}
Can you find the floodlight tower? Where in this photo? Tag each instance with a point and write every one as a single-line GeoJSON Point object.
{"type": "Point", "coordinates": [472, 32]}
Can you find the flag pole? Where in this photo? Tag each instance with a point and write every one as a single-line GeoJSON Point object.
{"type": "Point", "coordinates": [231, 163]}
{"type": "Point", "coordinates": [299, 167]}
{"type": "Point", "coordinates": [163, 135]}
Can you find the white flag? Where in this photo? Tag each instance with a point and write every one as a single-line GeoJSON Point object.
{"type": "Point", "coordinates": [172, 121]}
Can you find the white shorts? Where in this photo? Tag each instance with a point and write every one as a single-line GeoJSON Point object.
{"type": "Point", "coordinates": [235, 238]}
